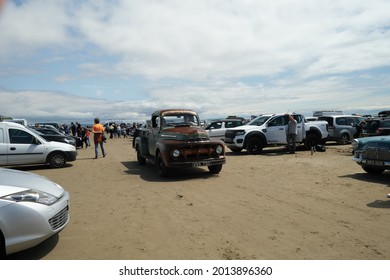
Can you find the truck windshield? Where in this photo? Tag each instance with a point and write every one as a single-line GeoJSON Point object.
{"type": "Point", "coordinates": [180, 120]}
{"type": "Point", "coordinates": [259, 120]}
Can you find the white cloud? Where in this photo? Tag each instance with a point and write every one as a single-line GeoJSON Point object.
{"type": "Point", "coordinates": [298, 55]}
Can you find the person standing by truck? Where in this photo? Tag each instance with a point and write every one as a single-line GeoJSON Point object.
{"type": "Point", "coordinates": [98, 131]}
{"type": "Point", "coordinates": [291, 133]}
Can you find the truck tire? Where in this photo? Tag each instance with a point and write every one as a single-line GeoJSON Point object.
{"type": "Point", "coordinates": [312, 140]}
{"type": "Point", "coordinates": [141, 160]}
{"type": "Point", "coordinates": [162, 169]}
{"type": "Point", "coordinates": [215, 169]}
{"type": "Point", "coordinates": [344, 139]}
{"type": "Point", "coordinates": [255, 146]}
{"type": "Point", "coordinates": [57, 160]}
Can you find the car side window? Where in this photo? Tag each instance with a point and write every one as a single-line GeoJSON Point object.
{"type": "Point", "coordinates": [298, 118]}
{"type": "Point", "coordinates": [17, 136]}
{"type": "Point", "coordinates": [231, 124]}
{"type": "Point", "coordinates": [279, 121]}
{"type": "Point", "coordinates": [216, 125]}
{"type": "Point", "coordinates": [353, 120]}
{"type": "Point", "coordinates": [341, 121]}
{"type": "Point", "coordinates": [386, 124]}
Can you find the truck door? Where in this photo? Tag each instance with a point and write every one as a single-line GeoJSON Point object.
{"type": "Point", "coordinates": [24, 148]}
{"type": "Point", "coordinates": [276, 130]}
{"type": "Point", "coordinates": [300, 128]}
{"type": "Point", "coordinates": [153, 134]}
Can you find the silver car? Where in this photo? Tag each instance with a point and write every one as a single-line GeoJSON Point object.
{"type": "Point", "coordinates": [342, 128]}
{"type": "Point", "coordinates": [32, 208]}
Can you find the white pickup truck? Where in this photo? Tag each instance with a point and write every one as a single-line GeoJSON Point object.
{"type": "Point", "coordinates": [270, 130]}
{"type": "Point", "coordinates": [20, 146]}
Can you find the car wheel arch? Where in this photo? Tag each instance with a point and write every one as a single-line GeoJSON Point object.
{"type": "Point", "coordinates": [54, 153]}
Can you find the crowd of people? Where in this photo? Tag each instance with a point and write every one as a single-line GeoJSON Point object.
{"type": "Point", "coordinates": [98, 130]}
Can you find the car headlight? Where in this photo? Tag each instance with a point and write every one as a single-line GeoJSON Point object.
{"type": "Point", "coordinates": [175, 153]}
{"type": "Point", "coordinates": [32, 196]}
{"type": "Point", "coordinates": [240, 132]}
{"type": "Point", "coordinates": [70, 141]}
{"type": "Point", "coordinates": [219, 149]}
{"type": "Point", "coordinates": [355, 144]}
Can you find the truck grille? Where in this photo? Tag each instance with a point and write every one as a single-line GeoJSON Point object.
{"type": "Point", "coordinates": [59, 219]}
{"type": "Point", "coordinates": [194, 152]}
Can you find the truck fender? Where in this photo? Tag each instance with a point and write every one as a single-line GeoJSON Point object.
{"type": "Point", "coordinates": [141, 143]}
{"type": "Point", "coordinates": [255, 134]}
{"type": "Point", "coordinates": [316, 131]}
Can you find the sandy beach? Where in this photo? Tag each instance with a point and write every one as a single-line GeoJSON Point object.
{"type": "Point", "coordinates": [272, 206]}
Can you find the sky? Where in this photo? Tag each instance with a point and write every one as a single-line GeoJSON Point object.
{"type": "Point", "coordinates": [74, 60]}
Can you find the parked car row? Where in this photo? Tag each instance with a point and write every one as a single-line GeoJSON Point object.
{"type": "Point", "coordinates": [52, 134]}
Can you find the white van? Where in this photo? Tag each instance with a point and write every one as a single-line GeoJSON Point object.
{"type": "Point", "coordinates": [21, 146]}
{"type": "Point", "coordinates": [19, 121]}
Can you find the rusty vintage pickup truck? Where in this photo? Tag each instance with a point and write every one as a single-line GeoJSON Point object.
{"type": "Point", "coordinates": [175, 139]}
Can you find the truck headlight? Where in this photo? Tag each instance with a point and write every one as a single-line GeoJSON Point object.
{"type": "Point", "coordinates": [175, 153]}
{"type": "Point", "coordinates": [219, 149]}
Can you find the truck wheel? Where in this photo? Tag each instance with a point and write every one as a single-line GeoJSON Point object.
{"type": "Point", "coordinates": [57, 160]}
{"type": "Point", "coordinates": [311, 140]}
{"type": "Point", "coordinates": [141, 160]}
{"type": "Point", "coordinates": [255, 146]}
{"type": "Point", "coordinates": [215, 169]}
{"type": "Point", "coordinates": [344, 139]}
{"type": "Point", "coordinates": [162, 169]}
{"type": "Point", "coordinates": [236, 150]}
{"type": "Point", "coordinates": [373, 170]}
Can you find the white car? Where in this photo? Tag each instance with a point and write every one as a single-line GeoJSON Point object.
{"type": "Point", "coordinates": [32, 209]}
{"type": "Point", "coordinates": [20, 146]}
{"type": "Point", "coordinates": [216, 129]}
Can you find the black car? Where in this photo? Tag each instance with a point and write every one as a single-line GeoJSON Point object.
{"type": "Point", "coordinates": [51, 134]}
{"type": "Point", "coordinates": [376, 127]}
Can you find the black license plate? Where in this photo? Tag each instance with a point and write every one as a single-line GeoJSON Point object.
{"type": "Point", "coordinates": [374, 162]}
{"type": "Point", "coordinates": [203, 163]}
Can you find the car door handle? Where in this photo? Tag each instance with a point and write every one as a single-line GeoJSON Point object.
{"type": "Point", "coordinates": [281, 128]}
{"type": "Point", "coordinates": [12, 148]}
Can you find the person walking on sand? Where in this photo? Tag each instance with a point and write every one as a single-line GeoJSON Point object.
{"type": "Point", "coordinates": [98, 133]}
{"type": "Point", "coordinates": [291, 133]}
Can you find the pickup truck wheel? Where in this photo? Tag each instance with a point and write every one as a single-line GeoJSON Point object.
{"type": "Point", "coordinates": [141, 160]}
{"type": "Point", "coordinates": [344, 139]}
{"type": "Point", "coordinates": [236, 150]}
{"type": "Point", "coordinates": [255, 146]}
{"type": "Point", "coordinates": [312, 140]}
{"type": "Point", "coordinates": [373, 170]}
{"type": "Point", "coordinates": [215, 169]}
{"type": "Point", "coordinates": [162, 169]}
{"type": "Point", "coordinates": [57, 160]}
